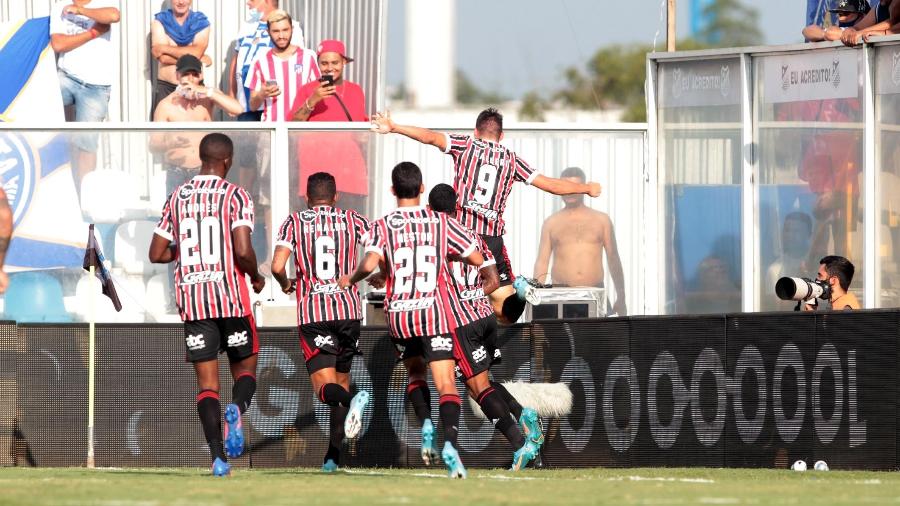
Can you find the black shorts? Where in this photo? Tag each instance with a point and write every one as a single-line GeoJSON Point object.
{"type": "Point", "coordinates": [476, 347]}
{"type": "Point", "coordinates": [205, 339]}
{"type": "Point", "coordinates": [431, 349]}
{"type": "Point", "coordinates": [330, 344]}
{"type": "Point", "coordinates": [498, 249]}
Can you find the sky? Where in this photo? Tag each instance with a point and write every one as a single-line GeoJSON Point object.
{"type": "Point", "coordinates": [516, 46]}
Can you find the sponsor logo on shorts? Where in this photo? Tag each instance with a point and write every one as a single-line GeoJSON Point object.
{"type": "Point", "coordinates": [237, 339]}
{"type": "Point", "coordinates": [194, 278]}
{"type": "Point", "coordinates": [411, 305]}
{"type": "Point", "coordinates": [477, 208]}
{"type": "Point", "coordinates": [504, 276]}
{"type": "Point", "coordinates": [479, 354]}
{"type": "Point", "coordinates": [441, 344]}
{"type": "Point", "coordinates": [195, 342]}
{"type": "Point", "coordinates": [497, 353]}
{"type": "Point", "coordinates": [323, 340]}
{"type": "Point", "coordinates": [329, 289]}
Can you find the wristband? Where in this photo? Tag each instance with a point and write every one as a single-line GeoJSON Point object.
{"type": "Point", "coordinates": [307, 106]}
{"type": "Point", "coordinates": [94, 33]}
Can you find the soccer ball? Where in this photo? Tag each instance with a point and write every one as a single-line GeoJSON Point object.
{"type": "Point", "coordinates": [820, 466]}
{"type": "Point", "coordinates": [799, 466]}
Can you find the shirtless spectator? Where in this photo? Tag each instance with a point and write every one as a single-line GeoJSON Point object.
{"type": "Point", "coordinates": [849, 12]}
{"type": "Point", "coordinates": [576, 237]}
{"type": "Point", "coordinates": [191, 101]}
{"type": "Point", "coordinates": [174, 33]}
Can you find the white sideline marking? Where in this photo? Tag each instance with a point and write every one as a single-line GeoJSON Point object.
{"type": "Point", "coordinates": [719, 500]}
{"type": "Point", "coordinates": [435, 475]}
{"type": "Point", "coordinates": [662, 478]}
{"type": "Point", "coordinates": [874, 481]}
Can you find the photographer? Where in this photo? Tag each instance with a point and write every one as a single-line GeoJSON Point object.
{"type": "Point", "coordinates": [837, 271]}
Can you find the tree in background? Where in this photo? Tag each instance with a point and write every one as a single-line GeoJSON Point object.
{"type": "Point", "coordinates": [729, 23]}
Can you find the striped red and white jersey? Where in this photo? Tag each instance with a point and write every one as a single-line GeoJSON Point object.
{"type": "Point", "coordinates": [199, 218]}
{"type": "Point", "coordinates": [467, 300]}
{"type": "Point", "coordinates": [325, 242]}
{"type": "Point", "coordinates": [414, 243]}
{"type": "Point", "coordinates": [290, 75]}
{"type": "Point", "coordinates": [485, 173]}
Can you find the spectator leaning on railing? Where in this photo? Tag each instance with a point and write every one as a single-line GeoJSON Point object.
{"type": "Point", "coordinates": [878, 21]}
{"type": "Point", "coordinates": [174, 33]}
{"type": "Point", "coordinates": [849, 12]}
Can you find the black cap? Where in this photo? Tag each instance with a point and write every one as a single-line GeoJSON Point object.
{"type": "Point", "coordinates": [188, 62]}
{"type": "Point", "coordinates": [860, 6]}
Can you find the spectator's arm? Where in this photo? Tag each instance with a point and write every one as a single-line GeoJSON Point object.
{"type": "Point", "coordinates": [228, 103]}
{"type": "Point", "coordinates": [563, 187]}
{"type": "Point", "coordinates": [106, 15]}
{"type": "Point", "coordinates": [61, 42]}
{"type": "Point", "coordinates": [232, 77]}
{"type": "Point", "coordinates": [615, 266]}
{"type": "Point", "coordinates": [168, 54]}
{"type": "Point", "coordinates": [814, 33]}
{"type": "Point", "coordinates": [833, 33]}
{"type": "Point", "coordinates": [545, 249]}
{"type": "Point", "coordinates": [383, 124]}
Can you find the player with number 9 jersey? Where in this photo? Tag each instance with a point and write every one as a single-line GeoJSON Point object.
{"type": "Point", "coordinates": [415, 243]}
{"type": "Point", "coordinates": [198, 218]}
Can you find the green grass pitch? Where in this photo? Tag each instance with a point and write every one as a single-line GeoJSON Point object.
{"type": "Point", "coordinates": [147, 487]}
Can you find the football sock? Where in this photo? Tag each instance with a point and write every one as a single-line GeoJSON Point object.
{"type": "Point", "coordinates": [513, 307]}
{"type": "Point", "coordinates": [210, 412]}
{"type": "Point", "coordinates": [334, 394]}
{"type": "Point", "coordinates": [420, 397]}
{"type": "Point", "coordinates": [449, 408]}
{"type": "Point", "coordinates": [496, 410]}
{"type": "Point", "coordinates": [336, 435]}
{"type": "Point", "coordinates": [514, 407]}
{"type": "Point", "coordinates": [243, 390]}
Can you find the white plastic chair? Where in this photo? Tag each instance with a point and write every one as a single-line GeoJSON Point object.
{"type": "Point", "coordinates": [132, 246]}
{"type": "Point", "coordinates": [110, 196]}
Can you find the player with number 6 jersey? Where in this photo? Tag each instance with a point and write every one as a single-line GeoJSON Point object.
{"type": "Point", "coordinates": [208, 221]}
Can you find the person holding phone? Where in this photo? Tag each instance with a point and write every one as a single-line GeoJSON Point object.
{"type": "Point", "coordinates": [279, 73]}
{"type": "Point", "coordinates": [333, 98]}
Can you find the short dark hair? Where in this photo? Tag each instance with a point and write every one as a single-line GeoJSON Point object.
{"type": "Point", "coordinates": [490, 122]}
{"type": "Point", "coordinates": [573, 172]}
{"type": "Point", "coordinates": [841, 268]}
{"type": "Point", "coordinates": [406, 178]}
{"type": "Point", "coordinates": [800, 217]}
{"type": "Point", "coordinates": [321, 187]}
{"type": "Point", "coordinates": [442, 198]}
{"type": "Point", "coordinates": [216, 147]}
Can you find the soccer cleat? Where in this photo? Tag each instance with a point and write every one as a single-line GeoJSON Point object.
{"type": "Point", "coordinates": [234, 432]}
{"type": "Point", "coordinates": [429, 452]}
{"type": "Point", "coordinates": [525, 290]}
{"type": "Point", "coordinates": [530, 424]}
{"type": "Point", "coordinates": [524, 455]}
{"type": "Point", "coordinates": [329, 466]}
{"type": "Point", "coordinates": [353, 423]}
{"type": "Point", "coordinates": [220, 467]}
{"type": "Point", "coordinates": [455, 468]}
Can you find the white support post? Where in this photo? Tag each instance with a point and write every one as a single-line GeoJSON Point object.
{"type": "Point", "coordinates": [92, 311]}
{"type": "Point", "coordinates": [749, 193]}
{"type": "Point", "coordinates": [653, 237]}
{"type": "Point", "coordinates": [871, 197]}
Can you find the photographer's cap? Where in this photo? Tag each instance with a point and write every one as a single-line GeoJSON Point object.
{"type": "Point", "coordinates": [333, 46]}
{"type": "Point", "coordinates": [188, 62]}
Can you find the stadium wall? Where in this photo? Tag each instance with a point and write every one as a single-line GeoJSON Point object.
{"type": "Point", "coordinates": [737, 390]}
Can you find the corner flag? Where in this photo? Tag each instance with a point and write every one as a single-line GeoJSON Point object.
{"type": "Point", "coordinates": [93, 256]}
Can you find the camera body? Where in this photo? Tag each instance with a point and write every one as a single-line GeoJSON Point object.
{"type": "Point", "coordinates": [802, 289]}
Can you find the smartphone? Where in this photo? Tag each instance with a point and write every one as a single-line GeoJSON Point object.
{"type": "Point", "coordinates": [326, 80]}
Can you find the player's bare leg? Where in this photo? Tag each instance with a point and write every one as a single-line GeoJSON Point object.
{"type": "Point", "coordinates": [420, 398]}
{"type": "Point", "coordinates": [210, 411]}
{"type": "Point", "coordinates": [244, 374]}
{"type": "Point", "coordinates": [333, 388]}
{"type": "Point", "coordinates": [443, 374]}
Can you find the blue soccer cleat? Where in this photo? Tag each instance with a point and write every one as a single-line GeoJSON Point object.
{"type": "Point", "coordinates": [353, 423]}
{"type": "Point", "coordinates": [530, 424]}
{"type": "Point", "coordinates": [455, 468]}
{"type": "Point", "coordinates": [525, 290]}
{"type": "Point", "coordinates": [329, 466]}
{"type": "Point", "coordinates": [524, 455]}
{"type": "Point", "coordinates": [429, 451]}
{"type": "Point", "coordinates": [234, 431]}
{"type": "Point", "coordinates": [220, 467]}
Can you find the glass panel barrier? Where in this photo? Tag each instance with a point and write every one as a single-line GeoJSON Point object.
{"type": "Point", "coordinates": [887, 165]}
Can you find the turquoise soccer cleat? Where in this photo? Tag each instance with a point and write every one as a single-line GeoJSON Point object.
{"type": "Point", "coordinates": [353, 423]}
{"type": "Point", "coordinates": [524, 455]}
{"type": "Point", "coordinates": [455, 468]}
{"type": "Point", "coordinates": [220, 467]}
{"type": "Point", "coordinates": [329, 466]}
{"type": "Point", "coordinates": [525, 290]}
{"type": "Point", "coordinates": [429, 452]}
{"type": "Point", "coordinates": [530, 424]}
{"type": "Point", "coordinates": [234, 431]}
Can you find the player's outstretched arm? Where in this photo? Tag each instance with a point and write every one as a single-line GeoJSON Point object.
{"type": "Point", "coordinates": [365, 267]}
{"type": "Point", "coordinates": [474, 258]}
{"type": "Point", "coordinates": [161, 251]}
{"type": "Point", "coordinates": [564, 187]}
{"type": "Point", "coordinates": [245, 257]}
{"type": "Point", "coordinates": [383, 124]}
{"type": "Point", "coordinates": [490, 278]}
{"type": "Point", "coordinates": [279, 260]}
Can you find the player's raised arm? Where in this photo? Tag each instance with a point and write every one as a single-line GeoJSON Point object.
{"type": "Point", "coordinates": [383, 124]}
{"type": "Point", "coordinates": [558, 186]}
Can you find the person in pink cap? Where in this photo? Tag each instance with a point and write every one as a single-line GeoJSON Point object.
{"type": "Point", "coordinates": [333, 98]}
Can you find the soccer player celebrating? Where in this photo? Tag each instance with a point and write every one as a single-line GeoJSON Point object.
{"type": "Point", "coordinates": [474, 338]}
{"type": "Point", "coordinates": [324, 241]}
{"type": "Point", "coordinates": [485, 173]}
{"type": "Point", "coordinates": [205, 229]}
{"type": "Point", "coordinates": [414, 243]}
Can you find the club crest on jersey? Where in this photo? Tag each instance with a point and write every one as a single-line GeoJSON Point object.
{"type": "Point", "coordinates": [307, 216]}
{"type": "Point", "coordinates": [18, 173]}
{"type": "Point", "coordinates": [193, 278]}
{"type": "Point", "coordinates": [411, 305]}
{"type": "Point", "coordinates": [441, 343]}
{"type": "Point", "coordinates": [329, 289]}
